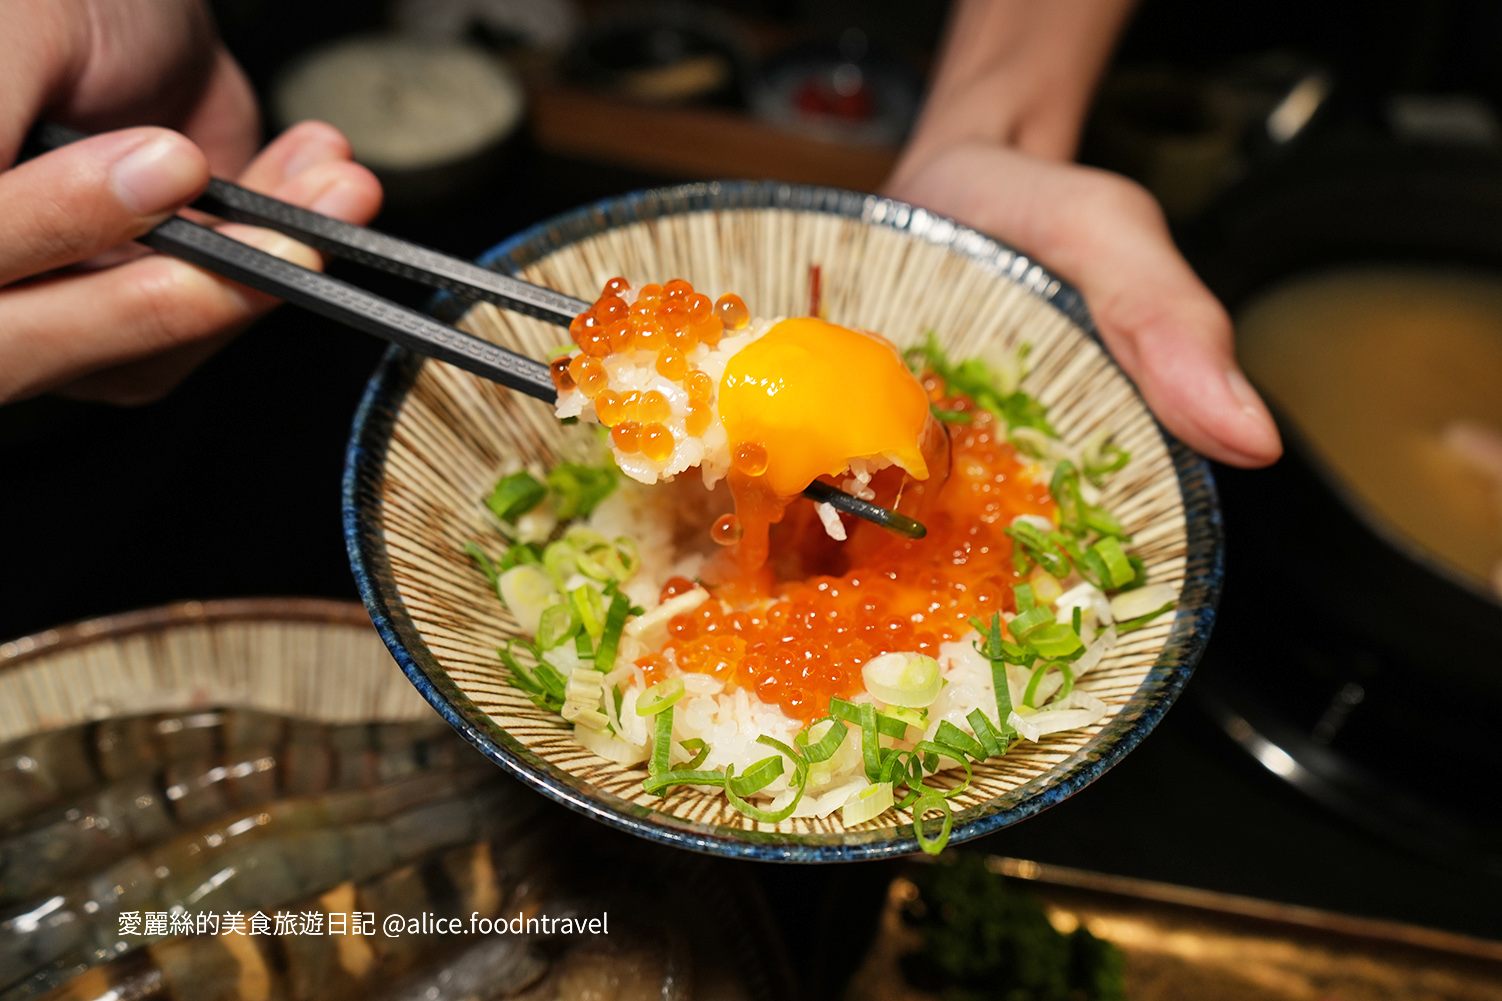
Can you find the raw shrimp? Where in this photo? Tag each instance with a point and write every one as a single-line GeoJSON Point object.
{"type": "Point", "coordinates": [43, 770]}
{"type": "Point", "coordinates": [253, 861]}
{"type": "Point", "coordinates": [482, 878]}
{"type": "Point", "coordinates": [133, 813]}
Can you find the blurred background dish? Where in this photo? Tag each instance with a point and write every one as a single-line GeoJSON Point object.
{"type": "Point", "coordinates": [431, 118]}
{"type": "Point", "coordinates": [171, 779]}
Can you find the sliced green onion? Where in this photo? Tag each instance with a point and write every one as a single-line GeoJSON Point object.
{"type": "Point", "coordinates": [1026, 622]}
{"type": "Point", "coordinates": [663, 695]}
{"type": "Point", "coordinates": [587, 602]}
{"type": "Point", "coordinates": [1100, 520]}
{"type": "Point", "coordinates": [756, 777]}
{"type": "Point", "coordinates": [800, 763]}
{"type": "Point", "coordinates": [698, 748]}
{"type": "Point", "coordinates": [557, 625]}
{"type": "Point", "coordinates": [952, 416]}
{"type": "Point", "coordinates": [986, 733]}
{"type": "Point", "coordinates": [561, 562]}
{"type": "Point", "coordinates": [948, 733]}
{"type": "Point", "coordinates": [577, 488]}
{"type": "Point", "coordinates": [1132, 624]}
{"type": "Point", "coordinates": [543, 685]}
{"type": "Point", "coordinates": [1068, 685]}
{"type": "Point", "coordinates": [518, 554]}
{"type": "Point", "coordinates": [656, 785]}
{"type": "Point", "coordinates": [527, 591]}
{"type": "Point", "coordinates": [870, 746]}
{"type": "Point", "coordinates": [1055, 640]}
{"type": "Point", "coordinates": [630, 557]}
{"type": "Point", "coordinates": [591, 566]}
{"type": "Point", "coordinates": [610, 637]}
{"type": "Point", "coordinates": [662, 743]}
{"type": "Point", "coordinates": [1003, 687]}
{"type": "Point", "coordinates": [583, 537]}
{"type": "Point", "coordinates": [583, 646]}
{"type": "Point", "coordinates": [908, 715]}
{"type": "Point", "coordinates": [925, 805]}
{"type": "Point", "coordinates": [850, 712]}
{"type": "Point", "coordinates": [931, 748]}
{"type": "Point", "coordinates": [826, 746]}
{"type": "Point", "coordinates": [487, 567]}
{"type": "Point", "coordinates": [866, 804]}
{"type": "Point", "coordinates": [756, 813]}
{"type": "Point", "coordinates": [515, 495]}
{"type": "Point", "coordinates": [1031, 693]}
{"type": "Point", "coordinates": [1118, 568]}
{"type": "Point", "coordinates": [903, 679]}
{"type": "Point", "coordinates": [1023, 595]}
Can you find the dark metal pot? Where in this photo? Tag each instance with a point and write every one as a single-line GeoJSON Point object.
{"type": "Point", "coordinates": [1346, 660]}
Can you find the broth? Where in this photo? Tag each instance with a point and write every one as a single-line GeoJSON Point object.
{"type": "Point", "coordinates": [1394, 376]}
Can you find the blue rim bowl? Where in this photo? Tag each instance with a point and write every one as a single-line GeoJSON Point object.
{"type": "Point", "coordinates": [371, 562]}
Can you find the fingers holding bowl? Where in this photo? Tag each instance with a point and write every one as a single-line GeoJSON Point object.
{"type": "Point", "coordinates": [1107, 235]}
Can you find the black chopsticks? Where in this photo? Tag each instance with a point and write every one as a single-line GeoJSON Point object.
{"type": "Point", "coordinates": [348, 304]}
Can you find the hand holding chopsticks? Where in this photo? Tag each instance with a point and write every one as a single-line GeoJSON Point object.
{"type": "Point", "coordinates": [365, 311]}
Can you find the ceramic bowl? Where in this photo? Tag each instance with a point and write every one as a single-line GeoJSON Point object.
{"type": "Point", "coordinates": [429, 441]}
{"type": "Point", "coordinates": [311, 659]}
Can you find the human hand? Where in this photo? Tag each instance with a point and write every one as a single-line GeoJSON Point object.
{"type": "Point", "coordinates": [1107, 236]}
{"type": "Point", "coordinates": [1004, 113]}
{"type": "Point", "coordinates": [127, 333]}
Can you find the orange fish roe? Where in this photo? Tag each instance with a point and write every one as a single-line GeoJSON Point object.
{"type": "Point", "coordinates": [696, 420]}
{"type": "Point", "coordinates": [805, 635]}
{"type": "Point", "coordinates": [656, 442]}
{"type": "Point", "coordinates": [732, 311]}
{"type": "Point", "coordinates": [625, 436]}
{"type": "Point", "coordinates": [672, 364]}
{"type": "Point", "coordinates": [589, 375]}
{"type": "Point", "coordinates": [670, 320]}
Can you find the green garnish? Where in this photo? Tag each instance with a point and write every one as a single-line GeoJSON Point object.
{"type": "Point", "coordinates": [610, 637]}
{"type": "Point", "coordinates": [698, 748]}
{"type": "Point", "coordinates": [542, 683]}
{"type": "Point", "coordinates": [486, 565]}
{"type": "Point", "coordinates": [577, 488]}
{"type": "Point", "coordinates": [661, 696]}
{"type": "Point", "coordinates": [925, 805]}
{"type": "Point", "coordinates": [993, 389]}
{"type": "Point", "coordinates": [515, 495]}
{"type": "Point", "coordinates": [557, 626]}
{"type": "Point", "coordinates": [1133, 624]}
{"type": "Point", "coordinates": [827, 744]}
{"type": "Point", "coordinates": [948, 733]}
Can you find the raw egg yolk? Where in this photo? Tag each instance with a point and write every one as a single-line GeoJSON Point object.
{"type": "Point", "coordinates": [811, 396]}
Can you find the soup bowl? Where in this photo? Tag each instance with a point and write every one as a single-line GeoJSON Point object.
{"type": "Point", "coordinates": [430, 441]}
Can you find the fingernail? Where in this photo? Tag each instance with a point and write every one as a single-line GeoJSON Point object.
{"type": "Point", "coordinates": [157, 176]}
{"type": "Point", "coordinates": [1246, 396]}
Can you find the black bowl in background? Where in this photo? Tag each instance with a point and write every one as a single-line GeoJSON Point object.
{"type": "Point", "coordinates": [1346, 661]}
{"type": "Point", "coordinates": [662, 53]}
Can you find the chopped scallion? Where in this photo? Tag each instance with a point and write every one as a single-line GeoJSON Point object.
{"type": "Point", "coordinates": [515, 495]}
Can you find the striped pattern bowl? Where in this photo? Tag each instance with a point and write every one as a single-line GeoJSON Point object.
{"type": "Point", "coordinates": [301, 657]}
{"type": "Point", "coordinates": [429, 441]}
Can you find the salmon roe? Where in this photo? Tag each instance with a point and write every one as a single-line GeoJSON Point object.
{"type": "Point", "coordinates": [668, 320]}
{"type": "Point", "coordinates": [801, 632]}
